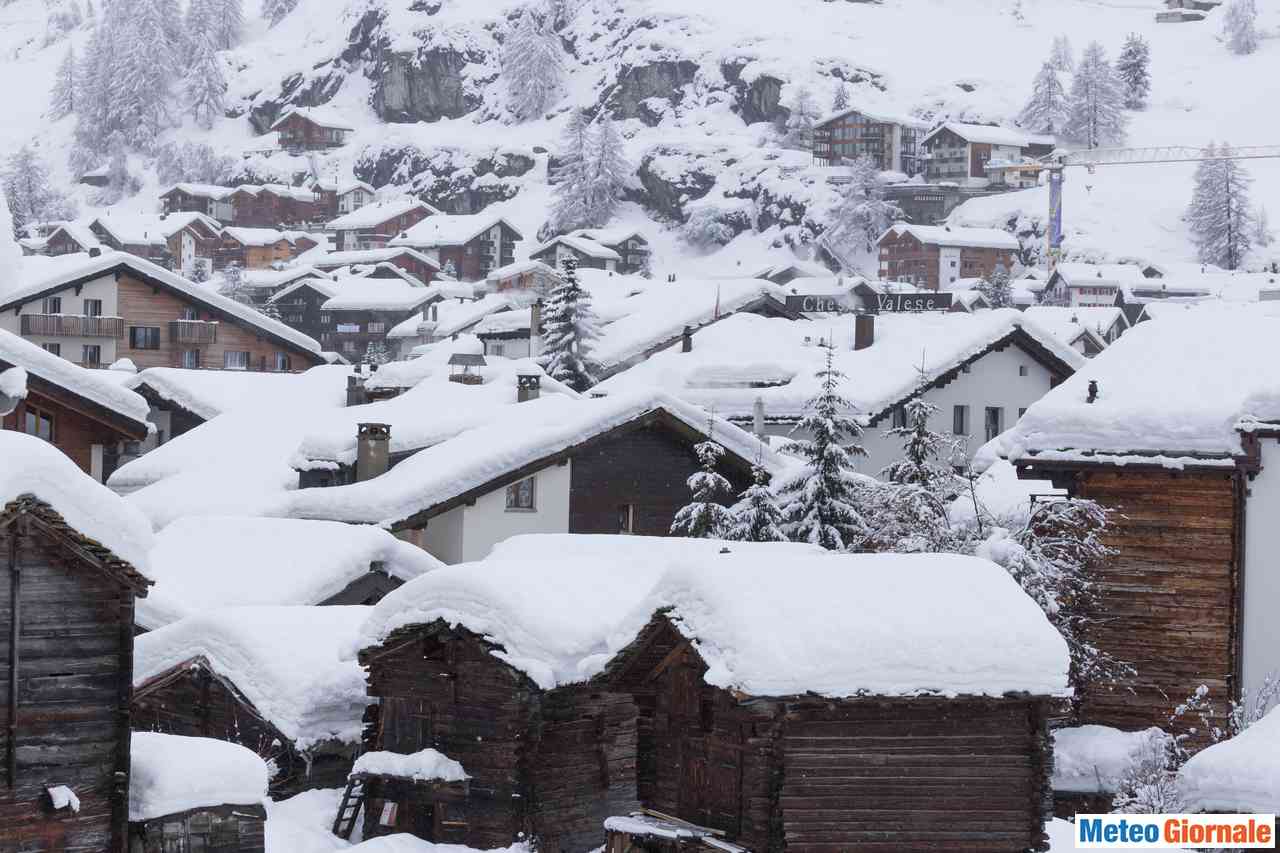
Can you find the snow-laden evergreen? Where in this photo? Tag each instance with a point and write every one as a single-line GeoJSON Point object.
{"type": "Point", "coordinates": [705, 517]}
{"type": "Point", "coordinates": [62, 100]}
{"type": "Point", "coordinates": [1134, 68]}
{"type": "Point", "coordinates": [862, 214]}
{"type": "Point", "coordinates": [1095, 115]}
{"type": "Point", "coordinates": [10, 253]}
{"type": "Point", "coordinates": [1046, 110]}
{"type": "Point", "coordinates": [820, 504]}
{"type": "Point", "coordinates": [804, 114]}
{"type": "Point", "coordinates": [756, 517]}
{"type": "Point", "coordinates": [1062, 57]}
{"type": "Point", "coordinates": [276, 11]}
{"type": "Point", "coordinates": [225, 22]}
{"type": "Point", "coordinates": [609, 172]}
{"type": "Point", "coordinates": [1240, 27]}
{"type": "Point", "coordinates": [204, 87]}
{"type": "Point", "coordinates": [376, 353]}
{"type": "Point", "coordinates": [1220, 216]}
{"type": "Point", "coordinates": [32, 195]}
{"type": "Point", "coordinates": [569, 327]}
{"type": "Point", "coordinates": [997, 288]}
{"type": "Point", "coordinates": [840, 101]}
{"type": "Point", "coordinates": [533, 65]}
{"type": "Point", "coordinates": [572, 178]}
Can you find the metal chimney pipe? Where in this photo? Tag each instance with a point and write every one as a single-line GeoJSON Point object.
{"type": "Point", "coordinates": [373, 450]}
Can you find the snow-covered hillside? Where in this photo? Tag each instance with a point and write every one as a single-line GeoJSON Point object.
{"type": "Point", "coordinates": [698, 93]}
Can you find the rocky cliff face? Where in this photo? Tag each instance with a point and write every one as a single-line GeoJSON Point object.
{"type": "Point", "coordinates": [452, 179]}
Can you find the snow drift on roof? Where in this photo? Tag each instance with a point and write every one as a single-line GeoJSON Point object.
{"type": "Point", "coordinates": [58, 371]}
{"type": "Point", "coordinates": [320, 117]}
{"type": "Point", "coordinates": [429, 765]}
{"type": "Point", "coordinates": [351, 257]}
{"type": "Point", "coordinates": [519, 268]}
{"type": "Point", "coordinates": [588, 247]}
{"type": "Point", "coordinates": [213, 191]}
{"type": "Point", "coordinates": [990, 135]}
{"type": "Point", "coordinates": [356, 293]}
{"type": "Point", "coordinates": [254, 236]}
{"type": "Point", "coordinates": [377, 213]}
{"type": "Point", "coordinates": [170, 774]}
{"type": "Point", "coordinates": [1237, 775]}
{"type": "Point", "coordinates": [284, 660]}
{"type": "Point", "coordinates": [35, 467]}
{"type": "Point", "coordinates": [150, 228]}
{"type": "Point", "coordinates": [1094, 759]}
{"type": "Point", "coordinates": [209, 393]}
{"type": "Point", "coordinates": [945, 235]}
{"type": "Point", "coordinates": [450, 229]}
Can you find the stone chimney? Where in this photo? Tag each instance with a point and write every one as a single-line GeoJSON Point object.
{"type": "Point", "coordinates": [373, 450]}
{"type": "Point", "coordinates": [864, 331]}
{"type": "Point", "coordinates": [686, 339]}
{"type": "Point", "coordinates": [757, 418]}
{"type": "Point", "coordinates": [528, 387]}
{"type": "Point", "coordinates": [356, 394]}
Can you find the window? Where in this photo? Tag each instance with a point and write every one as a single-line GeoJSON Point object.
{"type": "Point", "coordinates": [960, 420]}
{"type": "Point", "coordinates": [93, 308]}
{"type": "Point", "coordinates": [39, 423]}
{"type": "Point", "coordinates": [349, 328]}
{"type": "Point", "coordinates": [1022, 370]}
{"type": "Point", "coordinates": [53, 349]}
{"type": "Point", "coordinates": [325, 319]}
{"type": "Point", "coordinates": [994, 421]}
{"type": "Point", "coordinates": [520, 496]}
{"type": "Point", "coordinates": [190, 314]}
{"type": "Point", "coordinates": [282, 362]}
{"type": "Point", "coordinates": [51, 305]}
{"type": "Point", "coordinates": [899, 417]}
{"type": "Point", "coordinates": [190, 359]}
{"type": "Point", "coordinates": [626, 518]}
{"type": "Point", "coordinates": [144, 337]}
{"type": "Point", "coordinates": [349, 346]}
{"type": "Point", "coordinates": [377, 328]}
{"type": "Point", "coordinates": [91, 355]}
{"type": "Point", "coordinates": [233, 360]}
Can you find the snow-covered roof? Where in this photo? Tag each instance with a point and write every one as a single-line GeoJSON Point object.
{"type": "Point", "coordinates": [1068, 323]}
{"type": "Point", "coordinates": [1183, 386]}
{"type": "Point", "coordinates": [171, 774]}
{"type": "Point", "coordinates": [379, 212]}
{"type": "Point", "coordinates": [451, 229]}
{"type": "Point", "coordinates": [1094, 759]}
{"type": "Point", "coordinates": [519, 268]}
{"type": "Point", "coordinates": [203, 562]}
{"type": "Point", "coordinates": [428, 765]}
{"type": "Point", "coordinates": [35, 467]}
{"type": "Point", "coordinates": [282, 190]}
{"type": "Point", "coordinates": [278, 278]}
{"type": "Point", "coordinates": [254, 236]}
{"type": "Point", "coordinates": [213, 191]}
{"type": "Point", "coordinates": [89, 385]}
{"type": "Point", "coordinates": [505, 322]}
{"type": "Point", "coordinates": [946, 235]}
{"type": "Point", "coordinates": [748, 357]}
{"type": "Point", "coordinates": [150, 228]}
{"type": "Point", "coordinates": [321, 283]}
{"type": "Point", "coordinates": [332, 260]}
{"type": "Point", "coordinates": [111, 260]}
{"type": "Point", "coordinates": [283, 660]}
{"type": "Point", "coordinates": [874, 115]}
{"type": "Point", "coordinates": [1237, 775]}
{"type": "Point", "coordinates": [209, 393]}
{"type": "Point", "coordinates": [79, 232]}
{"type": "Point", "coordinates": [527, 434]}
{"type": "Point", "coordinates": [608, 236]}
{"type": "Point", "coordinates": [590, 248]}
{"type": "Point", "coordinates": [357, 293]}
{"type": "Point", "coordinates": [1075, 274]}
{"type": "Point", "coordinates": [317, 116]}
{"type": "Point", "coordinates": [342, 187]}
{"type": "Point", "coordinates": [802, 269]}
{"type": "Point", "coordinates": [990, 135]}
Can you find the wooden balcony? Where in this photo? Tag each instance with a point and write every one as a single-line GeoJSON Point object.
{"type": "Point", "coordinates": [72, 325]}
{"type": "Point", "coordinates": [193, 332]}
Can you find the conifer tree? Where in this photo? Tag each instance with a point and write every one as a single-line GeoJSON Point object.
{"type": "Point", "coordinates": [862, 214]}
{"type": "Point", "coordinates": [569, 328]}
{"type": "Point", "coordinates": [840, 102]}
{"type": "Point", "coordinates": [225, 22]}
{"type": "Point", "coordinates": [1046, 110]}
{"type": "Point", "coordinates": [821, 504]}
{"type": "Point", "coordinates": [31, 192]}
{"type": "Point", "coordinates": [1261, 228]}
{"type": "Point", "coordinates": [1220, 216]}
{"type": "Point", "coordinates": [533, 63]}
{"type": "Point", "coordinates": [376, 353]}
{"type": "Point", "coordinates": [997, 289]}
{"type": "Point", "coordinates": [572, 207]}
{"type": "Point", "coordinates": [1134, 68]}
{"type": "Point", "coordinates": [1096, 110]}
{"type": "Point", "coordinates": [704, 517]}
{"type": "Point", "coordinates": [275, 11]}
{"type": "Point", "coordinates": [804, 114]}
{"type": "Point", "coordinates": [609, 172]}
{"type": "Point", "coordinates": [148, 62]}
{"type": "Point", "coordinates": [1061, 57]}
{"type": "Point", "coordinates": [204, 85]}
{"type": "Point", "coordinates": [62, 101]}
{"type": "Point", "coordinates": [756, 517]}
{"type": "Point", "coordinates": [1240, 27]}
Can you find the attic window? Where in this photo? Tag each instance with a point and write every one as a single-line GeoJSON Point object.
{"type": "Point", "coordinates": [520, 496]}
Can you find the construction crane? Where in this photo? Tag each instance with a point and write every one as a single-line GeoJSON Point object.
{"type": "Point", "coordinates": [1057, 163]}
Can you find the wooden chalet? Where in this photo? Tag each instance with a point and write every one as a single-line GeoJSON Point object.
{"type": "Point", "coordinates": [893, 142]}
{"type": "Point", "coordinates": [467, 246]}
{"type": "Point", "coordinates": [273, 206]}
{"type": "Point", "coordinates": [75, 555]}
{"type": "Point", "coordinates": [979, 154]}
{"type": "Point", "coordinates": [117, 305]}
{"type": "Point", "coordinates": [768, 713]}
{"type": "Point", "coordinates": [524, 276]}
{"type": "Point", "coordinates": [311, 129]}
{"type": "Point", "coordinates": [209, 199]}
{"type": "Point", "coordinates": [299, 305]}
{"type": "Point", "coordinates": [252, 248]}
{"type": "Point", "coordinates": [588, 253]}
{"type": "Point", "coordinates": [934, 257]}
{"type": "Point", "coordinates": [631, 246]}
{"type": "Point", "coordinates": [174, 241]}
{"type": "Point", "coordinates": [91, 420]}
{"type": "Point", "coordinates": [421, 266]}
{"type": "Point", "coordinates": [267, 678]}
{"type": "Point", "coordinates": [375, 225]}
{"type": "Point", "coordinates": [70, 238]}
{"type": "Point", "coordinates": [196, 794]}
{"type": "Point", "coordinates": [363, 310]}
{"type": "Point", "coordinates": [335, 198]}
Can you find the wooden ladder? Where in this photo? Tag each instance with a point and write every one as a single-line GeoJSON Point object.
{"type": "Point", "coordinates": [352, 799]}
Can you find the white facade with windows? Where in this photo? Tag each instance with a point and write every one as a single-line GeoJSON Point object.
{"type": "Point", "coordinates": [63, 314]}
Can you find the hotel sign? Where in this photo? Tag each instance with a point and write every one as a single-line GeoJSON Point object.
{"type": "Point", "coordinates": [895, 302]}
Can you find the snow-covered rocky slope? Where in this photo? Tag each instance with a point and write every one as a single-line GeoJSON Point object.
{"type": "Point", "coordinates": [699, 88]}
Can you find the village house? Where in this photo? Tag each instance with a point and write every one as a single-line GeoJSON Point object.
{"type": "Point", "coordinates": [261, 284]}
{"type": "Point", "coordinates": [362, 310]}
{"type": "Point", "coordinates": [468, 247]}
{"type": "Point", "coordinates": [510, 333]}
{"type": "Point", "coordinates": [117, 306]}
{"type": "Point", "coordinates": [336, 197]}
{"type": "Point", "coordinates": [1086, 329]}
{"type": "Point", "coordinates": [375, 225]}
{"type": "Point", "coordinates": [305, 241]}
{"type": "Point", "coordinates": [209, 199]}
{"type": "Point", "coordinates": [90, 419]}
{"type": "Point", "coordinates": [76, 558]}
{"type": "Point", "coordinates": [272, 206]}
{"type": "Point", "coordinates": [774, 712]}
{"type": "Point", "coordinates": [177, 241]}
{"type": "Point", "coordinates": [298, 305]}
{"type": "Point", "coordinates": [450, 317]}
{"type": "Point", "coordinates": [268, 678]}
{"type": "Point", "coordinates": [195, 793]}
{"type": "Point", "coordinates": [421, 266]}
{"type": "Point", "coordinates": [588, 253]}
{"type": "Point", "coordinates": [630, 245]}
{"type": "Point", "coordinates": [1136, 300]}
{"type": "Point", "coordinates": [523, 276]}
{"type": "Point", "coordinates": [974, 154]}
{"type": "Point", "coordinates": [70, 238]}
{"type": "Point", "coordinates": [1191, 483]}
{"type": "Point", "coordinates": [614, 465]}
{"type": "Point", "coordinates": [252, 248]}
{"type": "Point", "coordinates": [1080, 284]}
{"type": "Point", "coordinates": [311, 129]}
{"type": "Point", "coordinates": [935, 256]}
{"type": "Point", "coordinates": [893, 142]}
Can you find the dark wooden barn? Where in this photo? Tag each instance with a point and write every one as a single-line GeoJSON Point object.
{"type": "Point", "coordinates": [66, 646]}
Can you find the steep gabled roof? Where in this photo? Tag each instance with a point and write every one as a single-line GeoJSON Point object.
{"type": "Point", "coordinates": [211, 191]}
{"type": "Point", "coordinates": [946, 235]}
{"type": "Point", "coordinates": [378, 212]}
{"type": "Point", "coordinates": [317, 116]}
{"type": "Point", "coordinates": [451, 230]}
{"type": "Point", "coordinates": [590, 248]}
{"type": "Point", "coordinates": [254, 236]}
{"type": "Point", "coordinates": [151, 228]}
{"type": "Point", "coordinates": [990, 135]}
{"type": "Point", "coordinates": [355, 257]}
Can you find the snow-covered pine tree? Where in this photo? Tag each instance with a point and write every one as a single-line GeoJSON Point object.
{"type": "Point", "coordinates": [1096, 108]}
{"type": "Point", "coordinates": [609, 172]}
{"type": "Point", "coordinates": [226, 20]}
{"type": "Point", "coordinates": [450, 269]}
{"type": "Point", "coordinates": [376, 353]}
{"type": "Point", "coordinates": [840, 102]}
{"type": "Point", "coordinates": [149, 62]}
{"type": "Point", "coordinates": [820, 504]}
{"type": "Point", "coordinates": [61, 17]}
{"type": "Point", "coordinates": [1261, 228]}
{"type": "Point", "coordinates": [1061, 57]}
{"type": "Point", "coordinates": [997, 289]}
{"type": "Point", "coordinates": [569, 328]}
{"type": "Point", "coordinates": [572, 188]}
{"type": "Point", "coordinates": [533, 63]}
{"type": "Point", "coordinates": [90, 16]}
{"type": "Point", "coordinates": [275, 11]}
{"type": "Point", "coordinates": [924, 452]}
{"type": "Point", "coordinates": [10, 253]}
{"type": "Point", "coordinates": [233, 286]}
{"type": "Point", "coordinates": [862, 215]}
{"type": "Point", "coordinates": [804, 114]}
{"type": "Point", "coordinates": [1046, 110]}
{"type": "Point", "coordinates": [62, 101]}
{"type": "Point", "coordinates": [1240, 27]}
{"type": "Point", "coordinates": [31, 192]}
{"type": "Point", "coordinates": [1219, 216]}
{"type": "Point", "coordinates": [1134, 68]}
{"type": "Point", "coordinates": [756, 517]}
{"type": "Point", "coordinates": [704, 517]}
{"type": "Point", "coordinates": [204, 86]}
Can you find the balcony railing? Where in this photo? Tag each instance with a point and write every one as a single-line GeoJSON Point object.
{"type": "Point", "coordinates": [72, 326]}
{"type": "Point", "coordinates": [193, 332]}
